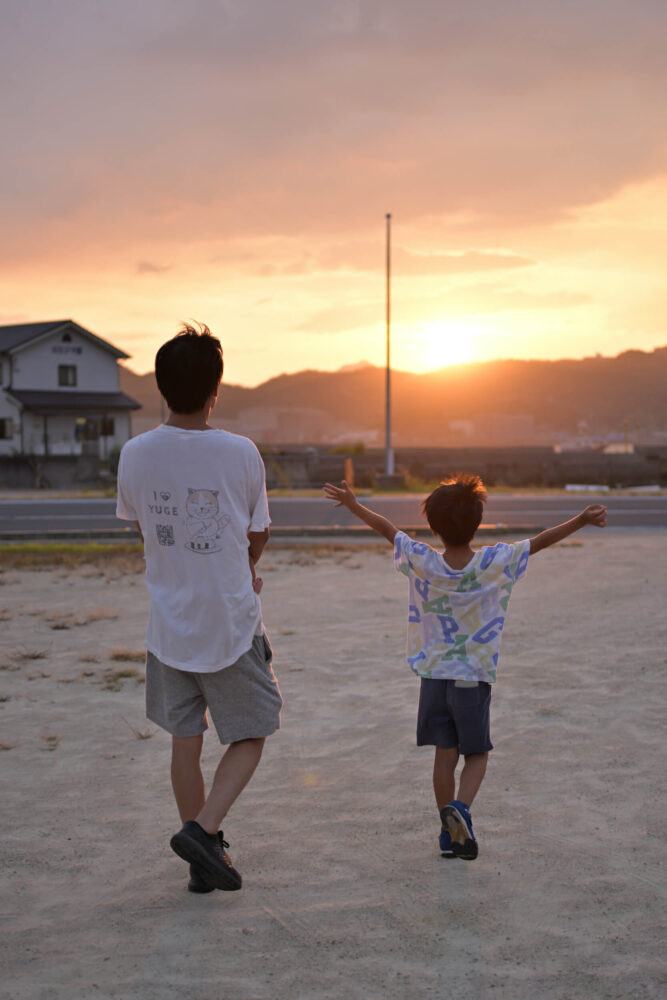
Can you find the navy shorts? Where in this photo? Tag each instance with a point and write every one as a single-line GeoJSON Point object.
{"type": "Point", "coordinates": [454, 714]}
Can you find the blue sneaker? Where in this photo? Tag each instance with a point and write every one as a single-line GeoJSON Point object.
{"type": "Point", "coordinates": [456, 820]}
{"type": "Point", "coordinates": [445, 842]}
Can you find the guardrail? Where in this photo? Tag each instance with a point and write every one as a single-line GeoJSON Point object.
{"type": "Point", "coordinates": [130, 535]}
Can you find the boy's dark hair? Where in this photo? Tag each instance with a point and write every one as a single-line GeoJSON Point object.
{"type": "Point", "coordinates": [188, 368]}
{"type": "Point", "coordinates": [454, 509]}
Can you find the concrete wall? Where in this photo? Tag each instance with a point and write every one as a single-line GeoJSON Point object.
{"type": "Point", "coordinates": [57, 472]}
{"type": "Point", "coordinates": [527, 466]}
{"type": "Point", "coordinates": [512, 467]}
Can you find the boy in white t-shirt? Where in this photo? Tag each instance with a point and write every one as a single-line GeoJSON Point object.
{"type": "Point", "coordinates": [198, 497]}
{"type": "Point", "coordinates": [457, 605]}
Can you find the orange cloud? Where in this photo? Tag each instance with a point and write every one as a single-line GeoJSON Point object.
{"type": "Point", "coordinates": [237, 153]}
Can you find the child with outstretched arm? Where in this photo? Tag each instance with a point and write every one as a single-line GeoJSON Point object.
{"type": "Point", "coordinates": [456, 611]}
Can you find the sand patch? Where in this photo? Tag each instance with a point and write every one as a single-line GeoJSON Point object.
{"type": "Point", "coordinates": [345, 895]}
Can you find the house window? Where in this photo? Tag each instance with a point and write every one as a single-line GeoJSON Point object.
{"type": "Point", "coordinates": [6, 428]}
{"type": "Point", "coordinates": [67, 338]}
{"type": "Point", "coordinates": [107, 427]}
{"type": "Point", "coordinates": [66, 374]}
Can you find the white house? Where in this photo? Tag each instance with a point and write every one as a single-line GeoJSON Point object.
{"type": "Point", "coordinates": [59, 391]}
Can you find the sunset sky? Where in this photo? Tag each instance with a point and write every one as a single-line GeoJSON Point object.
{"type": "Point", "coordinates": [233, 160]}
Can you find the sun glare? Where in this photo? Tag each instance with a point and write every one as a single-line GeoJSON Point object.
{"type": "Point", "coordinates": [437, 345]}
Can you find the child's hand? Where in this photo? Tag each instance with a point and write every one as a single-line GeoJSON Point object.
{"type": "Point", "coordinates": [342, 494]}
{"type": "Point", "coordinates": [595, 514]}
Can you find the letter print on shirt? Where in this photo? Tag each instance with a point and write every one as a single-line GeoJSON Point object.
{"type": "Point", "coordinates": [160, 504]}
{"type": "Point", "coordinates": [204, 526]}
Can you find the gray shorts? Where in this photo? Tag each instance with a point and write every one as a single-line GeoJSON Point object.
{"type": "Point", "coordinates": [244, 699]}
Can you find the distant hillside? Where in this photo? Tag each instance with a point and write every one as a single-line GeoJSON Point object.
{"type": "Point", "coordinates": [602, 393]}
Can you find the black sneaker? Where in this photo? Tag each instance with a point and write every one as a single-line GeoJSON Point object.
{"type": "Point", "coordinates": [207, 851]}
{"type": "Point", "coordinates": [199, 881]}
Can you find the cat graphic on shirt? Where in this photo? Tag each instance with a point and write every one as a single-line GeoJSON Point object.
{"type": "Point", "coordinates": [202, 521]}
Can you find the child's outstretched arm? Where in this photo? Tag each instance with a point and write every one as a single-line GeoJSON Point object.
{"type": "Point", "coordinates": [594, 514]}
{"type": "Point", "coordinates": [344, 497]}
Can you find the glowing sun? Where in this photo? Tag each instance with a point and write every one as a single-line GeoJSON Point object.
{"type": "Point", "coordinates": [437, 345]}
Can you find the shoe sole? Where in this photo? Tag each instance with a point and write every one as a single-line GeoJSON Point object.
{"type": "Point", "coordinates": [199, 882]}
{"type": "Point", "coordinates": [191, 850]}
{"type": "Point", "coordinates": [464, 845]}
{"type": "Point", "coordinates": [199, 888]}
{"type": "Point", "coordinates": [447, 852]}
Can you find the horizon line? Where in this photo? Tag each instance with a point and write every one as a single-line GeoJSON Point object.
{"type": "Point", "coordinates": [360, 365]}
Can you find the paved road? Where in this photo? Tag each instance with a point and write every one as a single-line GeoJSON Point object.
{"type": "Point", "coordinates": [42, 517]}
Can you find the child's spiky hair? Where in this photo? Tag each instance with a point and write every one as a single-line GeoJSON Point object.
{"type": "Point", "coordinates": [454, 509]}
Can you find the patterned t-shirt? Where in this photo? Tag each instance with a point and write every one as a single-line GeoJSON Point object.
{"type": "Point", "coordinates": [456, 616]}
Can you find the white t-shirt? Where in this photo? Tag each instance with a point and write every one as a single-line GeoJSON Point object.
{"type": "Point", "coordinates": [456, 616]}
{"type": "Point", "coordinates": [196, 495]}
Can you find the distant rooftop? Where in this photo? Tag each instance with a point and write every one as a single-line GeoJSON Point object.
{"type": "Point", "coordinates": [50, 401]}
{"type": "Point", "coordinates": [20, 334]}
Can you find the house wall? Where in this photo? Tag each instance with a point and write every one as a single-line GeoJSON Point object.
{"type": "Point", "coordinates": [33, 434]}
{"type": "Point", "coordinates": [10, 445]}
{"type": "Point", "coordinates": [62, 436]}
{"type": "Point", "coordinates": [123, 429]}
{"type": "Point", "coordinates": [36, 365]}
{"type": "Point", "coordinates": [7, 408]}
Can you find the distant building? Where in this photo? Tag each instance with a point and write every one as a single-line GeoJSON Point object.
{"type": "Point", "coordinates": [505, 428]}
{"type": "Point", "coordinates": [461, 428]}
{"type": "Point", "coordinates": [59, 391]}
{"type": "Point", "coordinates": [279, 424]}
{"type": "Point", "coordinates": [619, 448]}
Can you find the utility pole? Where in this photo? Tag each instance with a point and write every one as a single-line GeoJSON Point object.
{"type": "Point", "coordinates": [389, 454]}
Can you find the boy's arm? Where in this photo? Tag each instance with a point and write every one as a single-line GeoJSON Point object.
{"type": "Point", "coordinates": [138, 527]}
{"type": "Point", "coordinates": [257, 582]}
{"type": "Point", "coordinates": [344, 497]}
{"type": "Point", "coordinates": [594, 514]}
{"type": "Point", "coordinates": [256, 542]}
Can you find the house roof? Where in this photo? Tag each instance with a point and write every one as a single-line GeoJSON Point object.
{"type": "Point", "coordinates": [68, 402]}
{"type": "Point", "coordinates": [13, 338]}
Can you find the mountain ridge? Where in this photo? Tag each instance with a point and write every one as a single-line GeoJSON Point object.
{"type": "Point", "coordinates": [598, 394]}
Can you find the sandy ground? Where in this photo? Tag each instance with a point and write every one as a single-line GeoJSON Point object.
{"type": "Point", "coordinates": [345, 894]}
